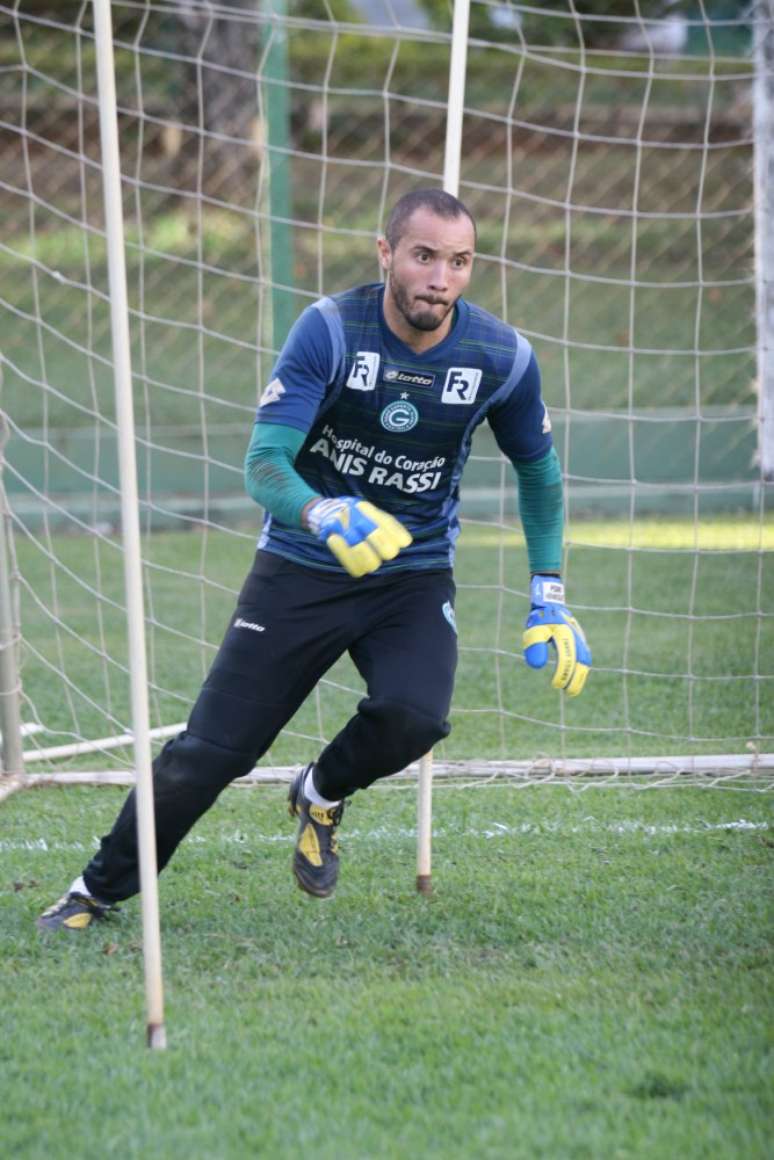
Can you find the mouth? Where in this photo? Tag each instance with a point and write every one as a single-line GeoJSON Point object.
{"type": "Point", "coordinates": [432, 301]}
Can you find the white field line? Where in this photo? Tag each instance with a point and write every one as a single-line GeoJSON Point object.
{"type": "Point", "coordinates": [392, 833]}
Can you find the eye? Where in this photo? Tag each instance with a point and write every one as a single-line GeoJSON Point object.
{"type": "Point", "coordinates": [423, 256]}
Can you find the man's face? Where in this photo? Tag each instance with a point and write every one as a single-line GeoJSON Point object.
{"type": "Point", "coordinates": [427, 271]}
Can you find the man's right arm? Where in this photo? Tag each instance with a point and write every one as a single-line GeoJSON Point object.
{"type": "Point", "coordinates": [270, 477]}
{"type": "Point", "coordinates": [286, 411]}
{"type": "Point", "coordinates": [359, 535]}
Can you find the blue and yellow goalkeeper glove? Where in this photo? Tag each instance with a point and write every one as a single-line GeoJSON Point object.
{"type": "Point", "coordinates": [550, 622]}
{"type": "Point", "coordinates": [360, 536]}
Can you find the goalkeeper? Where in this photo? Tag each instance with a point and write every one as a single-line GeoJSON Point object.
{"type": "Point", "coordinates": [356, 456]}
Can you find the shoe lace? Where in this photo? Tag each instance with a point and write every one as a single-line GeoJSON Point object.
{"type": "Point", "coordinates": [334, 814]}
{"type": "Point", "coordinates": [93, 903]}
{"type": "Point", "coordinates": [56, 907]}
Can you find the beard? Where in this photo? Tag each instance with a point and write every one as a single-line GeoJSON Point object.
{"type": "Point", "coordinates": [421, 318]}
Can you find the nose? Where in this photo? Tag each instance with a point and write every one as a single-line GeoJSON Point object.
{"type": "Point", "coordinates": [439, 276]}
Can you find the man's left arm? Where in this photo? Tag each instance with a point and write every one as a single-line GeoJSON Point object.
{"type": "Point", "coordinates": [523, 432]}
{"type": "Point", "coordinates": [550, 623]}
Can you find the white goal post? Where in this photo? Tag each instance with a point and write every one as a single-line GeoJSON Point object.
{"type": "Point", "coordinates": [619, 166]}
{"type": "Point", "coordinates": [130, 525]}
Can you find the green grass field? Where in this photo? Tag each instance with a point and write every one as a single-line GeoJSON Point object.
{"type": "Point", "coordinates": [683, 642]}
{"type": "Point", "coordinates": [591, 978]}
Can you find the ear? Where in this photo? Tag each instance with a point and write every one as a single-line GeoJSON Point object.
{"type": "Point", "coordinates": [385, 253]}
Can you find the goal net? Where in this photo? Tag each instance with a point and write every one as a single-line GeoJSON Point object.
{"type": "Point", "coordinates": [609, 156]}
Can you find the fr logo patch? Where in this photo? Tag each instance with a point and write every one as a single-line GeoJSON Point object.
{"type": "Point", "coordinates": [461, 385]}
{"type": "Point", "coordinates": [365, 370]}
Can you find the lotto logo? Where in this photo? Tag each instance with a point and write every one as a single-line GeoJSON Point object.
{"type": "Point", "coordinates": [365, 370]}
{"type": "Point", "coordinates": [240, 623]}
{"type": "Point", "coordinates": [273, 393]}
{"type": "Point", "coordinates": [461, 385]}
{"type": "Point", "coordinates": [411, 378]}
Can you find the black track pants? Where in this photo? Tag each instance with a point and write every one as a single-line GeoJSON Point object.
{"type": "Point", "coordinates": [290, 626]}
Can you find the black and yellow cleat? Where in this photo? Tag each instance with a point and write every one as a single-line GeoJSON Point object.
{"type": "Point", "coordinates": [74, 911]}
{"type": "Point", "coordinates": [316, 856]}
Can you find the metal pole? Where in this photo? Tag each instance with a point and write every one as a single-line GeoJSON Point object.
{"type": "Point", "coordinates": [424, 825]}
{"type": "Point", "coordinates": [280, 209]}
{"type": "Point", "coordinates": [455, 104]}
{"type": "Point", "coordinates": [130, 522]}
{"type": "Point", "coordinates": [11, 754]}
{"type": "Point", "coordinates": [763, 137]}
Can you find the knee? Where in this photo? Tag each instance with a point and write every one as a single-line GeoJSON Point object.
{"type": "Point", "coordinates": [382, 738]}
{"type": "Point", "coordinates": [189, 760]}
{"type": "Point", "coordinates": [407, 729]}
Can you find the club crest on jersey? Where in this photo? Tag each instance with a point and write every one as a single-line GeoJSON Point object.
{"type": "Point", "coordinates": [365, 370]}
{"type": "Point", "coordinates": [399, 416]}
{"type": "Point", "coordinates": [461, 385]}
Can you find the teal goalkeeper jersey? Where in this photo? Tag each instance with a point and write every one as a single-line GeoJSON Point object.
{"type": "Point", "coordinates": [386, 424]}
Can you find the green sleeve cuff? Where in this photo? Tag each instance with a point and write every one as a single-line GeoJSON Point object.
{"type": "Point", "coordinates": [541, 506]}
{"type": "Point", "coordinates": [270, 477]}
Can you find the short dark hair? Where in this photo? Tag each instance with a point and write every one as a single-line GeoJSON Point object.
{"type": "Point", "coordinates": [438, 201]}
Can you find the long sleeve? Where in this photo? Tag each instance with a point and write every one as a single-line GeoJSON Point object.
{"type": "Point", "coordinates": [270, 477]}
{"type": "Point", "coordinates": [541, 506]}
